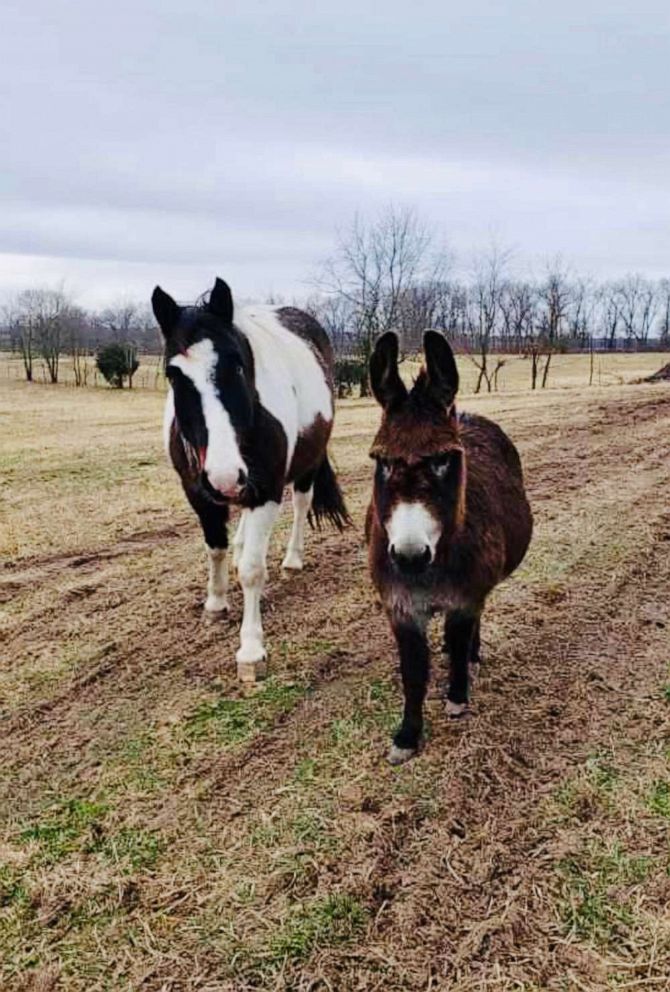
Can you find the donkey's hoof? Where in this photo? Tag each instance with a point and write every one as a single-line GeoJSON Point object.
{"type": "Point", "coordinates": [455, 710]}
{"type": "Point", "coordinates": [399, 755]}
{"type": "Point", "coordinates": [216, 604]}
{"type": "Point", "coordinates": [292, 562]}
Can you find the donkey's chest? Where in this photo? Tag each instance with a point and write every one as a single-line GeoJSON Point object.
{"type": "Point", "coordinates": [417, 603]}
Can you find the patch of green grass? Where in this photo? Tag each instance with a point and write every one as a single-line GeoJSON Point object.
{"type": "Point", "coordinates": [233, 721]}
{"type": "Point", "coordinates": [385, 705]}
{"type": "Point", "coordinates": [590, 788]}
{"type": "Point", "coordinates": [265, 835]}
{"type": "Point", "coordinates": [666, 692]}
{"type": "Point", "coordinates": [64, 828]}
{"type": "Point", "coordinates": [133, 848]}
{"type": "Point", "coordinates": [601, 772]}
{"type": "Point", "coordinates": [322, 923]}
{"type": "Point", "coordinates": [659, 798]}
{"type": "Point", "coordinates": [305, 772]}
{"type": "Point", "coordinates": [346, 733]}
{"type": "Point", "coordinates": [12, 889]}
{"type": "Point", "coordinates": [595, 906]}
{"type": "Point", "coordinates": [311, 828]}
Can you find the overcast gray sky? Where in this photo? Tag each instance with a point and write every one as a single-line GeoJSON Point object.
{"type": "Point", "coordinates": [157, 140]}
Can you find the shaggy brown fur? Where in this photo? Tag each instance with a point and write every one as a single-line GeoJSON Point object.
{"type": "Point", "coordinates": [466, 473]}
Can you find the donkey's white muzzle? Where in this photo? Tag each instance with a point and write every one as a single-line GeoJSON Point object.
{"type": "Point", "coordinates": [413, 533]}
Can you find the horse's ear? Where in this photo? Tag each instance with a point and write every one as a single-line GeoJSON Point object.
{"type": "Point", "coordinates": [440, 366]}
{"type": "Point", "coordinates": [387, 386]}
{"type": "Point", "coordinates": [221, 301]}
{"type": "Point", "coordinates": [166, 311]}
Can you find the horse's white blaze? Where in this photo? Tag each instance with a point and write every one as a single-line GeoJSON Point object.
{"type": "Point", "coordinates": [411, 529]}
{"type": "Point", "coordinates": [252, 571]}
{"type": "Point", "coordinates": [290, 381]}
{"type": "Point", "coordinates": [223, 461]}
{"type": "Point", "coordinates": [302, 503]}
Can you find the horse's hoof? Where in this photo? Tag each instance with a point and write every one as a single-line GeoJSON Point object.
{"type": "Point", "coordinates": [399, 755]}
{"type": "Point", "coordinates": [292, 562]}
{"type": "Point", "coordinates": [216, 604]}
{"type": "Point", "coordinates": [251, 662]}
{"type": "Point", "coordinates": [251, 671]}
{"type": "Point", "coordinates": [455, 710]}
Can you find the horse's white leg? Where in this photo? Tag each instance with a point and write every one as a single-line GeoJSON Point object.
{"type": "Point", "coordinates": [253, 573]}
{"type": "Point", "coordinates": [238, 540]}
{"type": "Point", "coordinates": [217, 583]}
{"type": "Point", "coordinates": [302, 503]}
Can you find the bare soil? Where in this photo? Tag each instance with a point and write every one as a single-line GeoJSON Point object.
{"type": "Point", "coordinates": [161, 830]}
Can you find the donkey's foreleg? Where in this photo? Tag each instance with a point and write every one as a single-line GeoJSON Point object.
{"type": "Point", "coordinates": [302, 502]}
{"type": "Point", "coordinates": [460, 629]}
{"type": "Point", "coordinates": [252, 572]}
{"type": "Point", "coordinates": [414, 669]}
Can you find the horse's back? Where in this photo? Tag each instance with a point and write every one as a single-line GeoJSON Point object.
{"type": "Point", "coordinates": [293, 366]}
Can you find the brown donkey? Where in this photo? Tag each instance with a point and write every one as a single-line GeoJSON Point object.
{"type": "Point", "coordinates": [448, 521]}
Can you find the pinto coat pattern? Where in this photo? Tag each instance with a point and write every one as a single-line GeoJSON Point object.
{"type": "Point", "coordinates": [448, 521]}
{"type": "Point", "coordinates": [250, 410]}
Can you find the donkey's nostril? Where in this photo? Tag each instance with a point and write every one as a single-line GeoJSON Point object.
{"type": "Point", "coordinates": [412, 559]}
{"type": "Point", "coordinates": [241, 477]}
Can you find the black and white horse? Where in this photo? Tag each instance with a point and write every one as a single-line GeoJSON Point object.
{"type": "Point", "coordinates": [250, 410]}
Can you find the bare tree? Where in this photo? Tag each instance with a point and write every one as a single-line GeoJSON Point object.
{"type": "Point", "coordinates": [610, 312]}
{"type": "Point", "coordinates": [77, 327]}
{"type": "Point", "coordinates": [373, 266]}
{"type": "Point", "coordinates": [41, 316]}
{"type": "Point", "coordinates": [120, 320]}
{"type": "Point", "coordinates": [664, 308]}
{"type": "Point", "coordinates": [486, 313]}
{"type": "Point", "coordinates": [554, 297]}
{"type": "Point", "coordinates": [637, 307]}
{"type": "Point", "coordinates": [22, 333]}
{"type": "Point", "coordinates": [518, 302]}
{"type": "Point", "coordinates": [334, 313]}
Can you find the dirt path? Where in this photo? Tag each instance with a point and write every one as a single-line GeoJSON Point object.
{"type": "Point", "coordinates": [276, 848]}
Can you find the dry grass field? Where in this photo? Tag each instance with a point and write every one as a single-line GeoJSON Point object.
{"type": "Point", "coordinates": [161, 830]}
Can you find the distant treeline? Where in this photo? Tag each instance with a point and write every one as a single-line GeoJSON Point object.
{"type": "Point", "coordinates": [386, 275]}
{"type": "Point", "coordinates": [43, 325]}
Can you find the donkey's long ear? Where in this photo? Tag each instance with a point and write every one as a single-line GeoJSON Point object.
{"type": "Point", "coordinates": [221, 301]}
{"type": "Point", "coordinates": [166, 311]}
{"type": "Point", "coordinates": [385, 379]}
{"type": "Point", "coordinates": [441, 367]}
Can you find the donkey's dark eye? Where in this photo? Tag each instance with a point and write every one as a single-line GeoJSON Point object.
{"type": "Point", "coordinates": [385, 468]}
{"type": "Point", "coordinates": [440, 466]}
{"type": "Point", "coordinates": [239, 370]}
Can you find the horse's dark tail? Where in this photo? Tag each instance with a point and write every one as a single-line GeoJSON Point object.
{"type": "Point", "coordinates": [328, 501]}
